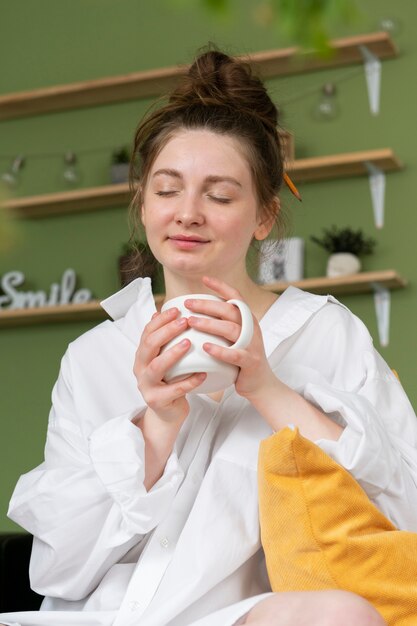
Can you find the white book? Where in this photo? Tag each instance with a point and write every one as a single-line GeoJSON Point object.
{"type": "Point", "coordinates": [281, 261]}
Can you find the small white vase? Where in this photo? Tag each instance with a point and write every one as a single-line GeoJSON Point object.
{"type": "Point", "coordinates": [342, 264]}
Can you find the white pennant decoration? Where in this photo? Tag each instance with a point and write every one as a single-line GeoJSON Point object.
{"type": "Point", "coordinates": [382, 301]}
{"type": "Point", "coordinates": [373, 71]}
{"type": "Point", "coordinates": [377, 187]}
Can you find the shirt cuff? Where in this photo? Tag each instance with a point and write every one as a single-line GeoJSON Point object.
{"type": "Point", "coordinates": [117, 451]}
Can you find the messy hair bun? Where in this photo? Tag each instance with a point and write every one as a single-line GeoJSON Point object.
{"type": "Point", "coordinates": [219, 93]}
{"type": "Point", "coordinates": [216, 79]}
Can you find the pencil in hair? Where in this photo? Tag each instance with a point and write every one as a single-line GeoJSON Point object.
{"type": "Point", "coordinates": [292, 187]}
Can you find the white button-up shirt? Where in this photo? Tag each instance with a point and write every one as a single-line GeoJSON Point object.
{"type": "Point", "coordinates": [107, 552]}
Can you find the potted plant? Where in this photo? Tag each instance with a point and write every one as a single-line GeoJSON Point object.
{"type": "Point", "coordinates": [119, 170]}
{"type": "Point", "coordinates": [137, 260]}
{"type": "Point", "coordinates": [345, 246]}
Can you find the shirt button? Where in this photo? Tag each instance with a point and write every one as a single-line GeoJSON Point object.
{"type": "Point", "coordinates": [164, 542]}
{"type": "Point", "coordinates": [133, 605]}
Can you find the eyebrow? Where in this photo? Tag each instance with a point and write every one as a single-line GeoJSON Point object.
{"type": "Point", "coordinates": [208, 179]}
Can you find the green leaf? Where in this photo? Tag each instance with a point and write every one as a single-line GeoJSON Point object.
{"type": "Point", "coordinates": [218, 6]}
{"type": "Point", "coordinates": [345, 240]}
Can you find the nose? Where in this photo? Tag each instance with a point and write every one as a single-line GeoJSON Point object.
{"type": "Point", "coordinates": [189, 211]}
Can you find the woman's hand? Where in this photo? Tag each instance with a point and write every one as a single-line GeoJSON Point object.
{"type": "Point", "coordinates": [166, 400]}
{"type": "Point", "coordinates": [277, 403]}
{"type": "Point", "coordinates": [255, 372]}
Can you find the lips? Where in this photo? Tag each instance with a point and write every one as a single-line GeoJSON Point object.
{"type": "Point", "coordinates": [194, 238]}
{"type": "Point", "coordinates": [188, 242]}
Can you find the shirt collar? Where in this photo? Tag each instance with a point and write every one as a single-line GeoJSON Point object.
{"type": "Point", "coordinates": [288, 314]}
{"type": "Point", "coordinates": [132, 307]}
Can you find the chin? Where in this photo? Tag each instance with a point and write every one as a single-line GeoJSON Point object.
{"type": "Point", "coordinates": [184, 264]}
{"type": "Point", "coordinates": [192, 266]}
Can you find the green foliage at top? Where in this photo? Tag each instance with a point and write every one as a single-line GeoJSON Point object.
{"type": "Point", "coordinates": [345, 240]}
{"type": "Point", "coordinates": [306, 23]}
{"type": "Point", "coordinates": [216, 5]}
{"type": "Point", "coordinates": [309, 23]}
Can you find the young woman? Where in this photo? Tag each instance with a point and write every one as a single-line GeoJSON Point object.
{"type": "Point", "coordinates": [145, 510]}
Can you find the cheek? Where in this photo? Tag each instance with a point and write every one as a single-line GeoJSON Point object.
{"type": "Point", "coordinates": [238, 228]}
{"type": "Point", "coordinates": [153, 215]}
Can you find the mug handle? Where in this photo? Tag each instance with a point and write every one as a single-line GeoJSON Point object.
{"type": "Point", "coordinates": [246, 333]}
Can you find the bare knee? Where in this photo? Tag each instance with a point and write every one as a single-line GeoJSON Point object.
{"type": "Point", "coordinates": [348, 609]}
{"type": "Point", "coordinates": [314, 608]}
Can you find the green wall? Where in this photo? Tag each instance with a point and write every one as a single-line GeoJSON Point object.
{"type": "Point", "coordinates": [51, 42]}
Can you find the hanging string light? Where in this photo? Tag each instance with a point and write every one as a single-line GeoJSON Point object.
{"type": "Point", "coordinates": [390, 24]}
{"type": "Point", "coordinates": [12, 176]}
{"type": "Point", "coordinates": [327, 106]}
{"type": "Point", "coordinates": [71, 173]}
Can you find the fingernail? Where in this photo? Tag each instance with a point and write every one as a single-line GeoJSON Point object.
{"type": "Point", "coordinates": [182, 321]}
{"type": "Point", "coordinates": [184, 342]}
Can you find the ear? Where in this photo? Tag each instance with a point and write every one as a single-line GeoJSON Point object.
{"type": "Point", "coordinates": [266, 224]}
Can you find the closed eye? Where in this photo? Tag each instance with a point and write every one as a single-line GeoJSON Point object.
{"type": "Point", "coordinates": [220, 199]}
{"type": "Point", "coordinates": [166, 193]}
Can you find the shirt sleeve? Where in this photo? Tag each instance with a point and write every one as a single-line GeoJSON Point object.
{"type": "Point", "coordinates": [86, 505]}
{"type": "Point", "coordinates": [354, 385]}
{"type": "Point", "coordinates": [381, 459]}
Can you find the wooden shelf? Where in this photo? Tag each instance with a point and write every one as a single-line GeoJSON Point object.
{"type": "Point", "coordinates": [363, 282]}
{"type": "Point", "coordinates": [74, 201]}
{"type": "Point", "coordinates": [356, 283]}
{"type": "Point", "coordinates": [49, 314]}
{"type": "Point", "coordinates": [152, 83]}
{"type": "Point", "coordinates": [343, 165]}
{"type": "Point", "coordinates": [302, 170]}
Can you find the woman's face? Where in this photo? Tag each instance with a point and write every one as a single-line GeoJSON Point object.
{"type": "Point", "coordinates": [200, 209]}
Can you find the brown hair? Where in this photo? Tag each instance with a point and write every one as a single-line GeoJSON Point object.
{"type": "Point", "coordinates": [219, 93]}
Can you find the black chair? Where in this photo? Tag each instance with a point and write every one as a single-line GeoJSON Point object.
{"type": "Point", "coordinates": [15, 591]}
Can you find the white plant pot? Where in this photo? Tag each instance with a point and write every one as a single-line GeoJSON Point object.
{"type": "Point", "coordinates": [342, 264]}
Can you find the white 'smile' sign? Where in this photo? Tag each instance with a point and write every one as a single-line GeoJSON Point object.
{"type": "Point", "coordinates": [13, 297]}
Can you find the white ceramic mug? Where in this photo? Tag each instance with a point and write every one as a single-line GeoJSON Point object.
{"type": "Point", "coordinates": [219, 374]}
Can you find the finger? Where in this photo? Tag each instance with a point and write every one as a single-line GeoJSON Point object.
{"type": "Point", "coordinates": [150, 376]}
{"type": "Point", "coordinates": [213, 308]}
{"type": "Point", "coordinates": [228, 330]}
{"type": "Point", "coordinates": [228, 355]}
{"type": "Point", "coordinates": [167, 395]}
{"type": "Point", "coordinates": [159, 319]}
{"type": "Point", "coordinates": [158, 367]}
{"type": "Point", "coordinates": [151, 342]}
{"type": "Point", "coordinates": [186, 385]}
{"type": "Point", "coordinates": [223, 289]}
